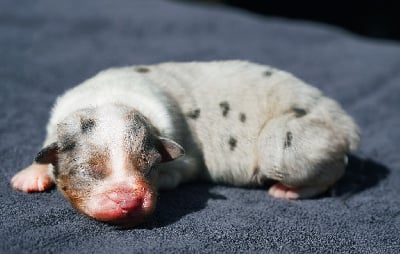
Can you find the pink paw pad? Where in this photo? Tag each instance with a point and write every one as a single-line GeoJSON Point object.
{"type": "Point", "coordinates": [32, 179]}
{"type": "Point", "coordinates": [279, 190]}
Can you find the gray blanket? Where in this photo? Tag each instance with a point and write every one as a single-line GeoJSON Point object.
{"type": "Point", "coordinates": [49, 46]}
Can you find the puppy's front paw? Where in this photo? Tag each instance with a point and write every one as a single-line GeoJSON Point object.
{"type": "Point", "coordinates": [33, 178]}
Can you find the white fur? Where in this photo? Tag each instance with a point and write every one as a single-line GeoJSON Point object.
{"type": "Point", "coordinates": [168, 91]}
{"type": "Point", "coordinates": [111, 120]}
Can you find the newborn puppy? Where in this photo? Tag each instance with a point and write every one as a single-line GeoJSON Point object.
{"type": "Point", "coordinates": [118, 137]}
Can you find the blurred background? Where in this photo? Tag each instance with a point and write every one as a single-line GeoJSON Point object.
{"type": "Point", "coordinates": [372, 18]}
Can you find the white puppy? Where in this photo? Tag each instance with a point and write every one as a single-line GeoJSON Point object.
{"type": "Point", "coordinates": [116, 138]}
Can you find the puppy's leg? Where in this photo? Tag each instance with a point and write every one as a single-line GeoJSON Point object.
{"type": "Point", "coordinates": [168, 179]}
{"type": "Point", "coordinates": [170, 175]}
{"type": "Point", "coordinates": [33, 178]}
{"type": "Point", "coordinates": [39, 175]}
{"type": "Point", "coordinates": [306, 154]}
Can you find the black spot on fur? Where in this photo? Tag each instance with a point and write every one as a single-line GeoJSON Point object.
{"type": "Point", "coordinates": [242, 117]}
{"type": "Point", "coordinates": [288, 140]}
{"type": "Point", "coordinates": [142, 69]}
{"type": "Point", "coordinates": [194, 114]}
{"type": "Point", "coordinates": [137, 122]}
{"type": "Point", "coordinates": [268, 73]}
{"type": "Point", "coordinates": [139, 131]}
{"type": "Point", "coordinates": [232, 143]}
{"type": "Point", "coordinates": [87, 125]}
{"type": "Point", "coordinates": [299, 112]}
{"type": "Point", "coordinates": [67, 144]}
{"type": "Point", "coordinates": [225, 108]}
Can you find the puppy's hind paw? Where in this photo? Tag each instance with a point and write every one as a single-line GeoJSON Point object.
{"type": "Point", "coordinates": [279, 190]}
{"type": "Point", "coordinates": [34, 178]}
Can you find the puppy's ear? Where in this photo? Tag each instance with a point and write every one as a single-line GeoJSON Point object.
{"type": "Point", "coordinates": [48, 155]}
{"type": "Point", "coordinates": [169, 149]}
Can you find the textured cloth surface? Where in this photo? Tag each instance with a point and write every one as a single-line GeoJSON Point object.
{"type": "Point", "coordinates": [48, 46]}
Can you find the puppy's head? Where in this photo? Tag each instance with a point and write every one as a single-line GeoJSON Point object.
{"type": "Point", "coordinates": [105, 163]}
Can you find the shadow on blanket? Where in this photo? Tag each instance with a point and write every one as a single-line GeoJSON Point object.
{"type": "Point", "coordinates": [174, 204]}
{"type": "Point", "coordinates": [361, 174]}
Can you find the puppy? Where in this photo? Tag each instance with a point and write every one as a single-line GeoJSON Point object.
{"type": "Point", "coordinates": [118, 137]}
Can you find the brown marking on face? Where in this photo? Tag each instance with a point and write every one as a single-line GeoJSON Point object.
{"type": "Point", "coordinates": [78, 175]}
{"type": "Point", "coordinates": [141, 165]}
{"type": "Point", "coordinates": [99, 166]}
{"type": "Point", "coordinates": [75, 196]}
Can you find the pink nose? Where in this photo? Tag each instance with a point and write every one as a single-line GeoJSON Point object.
{"type": "Point", "coordinates": [119, 206]}
{"type": "Point", "coordinates": [122, 204]}
{"type": "Point", "coordinates": [126, 200]}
